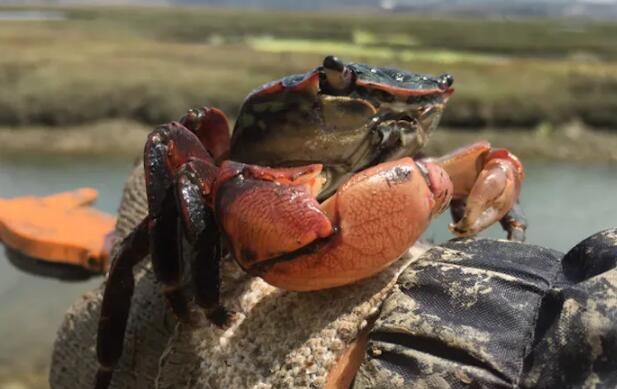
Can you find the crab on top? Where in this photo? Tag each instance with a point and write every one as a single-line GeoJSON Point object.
{"type": "Point", "coordinates": [316, 188]}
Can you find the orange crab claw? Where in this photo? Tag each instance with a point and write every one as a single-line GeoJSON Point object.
{"type": "Point", "coordinates": [488, 182]}
{"type": "Point", "coordinates": [494, 193]}
{"type": "Point", "coordinates": [269, 212]}
{"type": "Point", "coordinates": [440, 184]}
{"type": "Point", "coordinates": [278, 230]}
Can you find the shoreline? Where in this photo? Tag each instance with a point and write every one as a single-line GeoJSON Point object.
{"type": "Point", "coordinates": [125, 138]}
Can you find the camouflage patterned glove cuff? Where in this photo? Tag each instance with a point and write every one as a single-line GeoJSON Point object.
{"type": "Point", "coordinates": [492, 313]}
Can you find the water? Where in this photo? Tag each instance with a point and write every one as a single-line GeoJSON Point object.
{"type": "Point", "coordinates": [564, 203]}
{"type": "Point", "coordinates": [31, 308]}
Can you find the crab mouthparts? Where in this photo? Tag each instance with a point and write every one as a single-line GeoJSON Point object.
{"type": "Point", "coordinates": [403, 124]}
{"type": "Point", "coordinates": [399, 115]}
{"type": "Point", "coordinates": [411, 126]}
{"type": "Point", "coordinates": [403, 119]}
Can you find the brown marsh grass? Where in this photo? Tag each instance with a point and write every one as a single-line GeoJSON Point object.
{"type": "Point", "coordinates": [151, 64]}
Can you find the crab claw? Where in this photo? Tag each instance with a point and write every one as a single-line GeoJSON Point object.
{"type": "Point", "coordinates": [278, 231]}
{"type": "Point", "coordinates": [268, 212]}
{"type": "Point", "coordinates": [493, 194]}
{"type": "Point", "coordinates": [440, 185]}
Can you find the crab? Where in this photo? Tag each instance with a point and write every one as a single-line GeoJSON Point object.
{"type": "Point", "coordinates": [316, 188]}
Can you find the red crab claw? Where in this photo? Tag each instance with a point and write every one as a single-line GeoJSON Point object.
{"type": "Point", "coordinates": [489, 179]}
{"type": "Point", "coordinates": [278, 230]}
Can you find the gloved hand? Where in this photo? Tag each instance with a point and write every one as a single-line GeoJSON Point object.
{"type": "Point", "coordinates": [492, 313]}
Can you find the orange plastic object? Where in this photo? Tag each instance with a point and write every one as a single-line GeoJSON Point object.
{"type": "Point", "coordinates": [60, 229]}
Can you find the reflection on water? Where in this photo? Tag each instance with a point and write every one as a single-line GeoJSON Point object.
{"type": "Point", "coordinates": [564, 203]}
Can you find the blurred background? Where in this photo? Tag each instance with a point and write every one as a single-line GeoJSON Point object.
{"type": "Point", "coordinates": [81, 85]}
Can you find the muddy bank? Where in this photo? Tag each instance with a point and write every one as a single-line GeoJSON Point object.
{"type": "Point", "coordinates": [117, 137]}
{"type": "Point", "coordinates": [572, 142]}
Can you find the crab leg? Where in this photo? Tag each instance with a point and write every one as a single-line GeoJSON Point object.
{"type": "Point", "coordinates": [212, 128]}
{"type": "Point", "coordinates": [175, 151]}
{"type": "Point", "coordinates": [117, 302]}
{"type": "Point", "coordinates": [165, 242]}
{"type": "Point", "coordinates": [168, 148]}
{"type": "Point", "coordinates": [200, 229]}
{"type": "Point", "coordinates": [487, 184]}
{"type": "Point", "coordinates": [178, 174]}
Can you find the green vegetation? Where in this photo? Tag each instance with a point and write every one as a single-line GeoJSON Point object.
{"type": "Point", "coordinates": [151, 64]}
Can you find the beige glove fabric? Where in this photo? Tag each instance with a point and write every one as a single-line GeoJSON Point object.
{"type": "Point", "coordinates": [280, 339]}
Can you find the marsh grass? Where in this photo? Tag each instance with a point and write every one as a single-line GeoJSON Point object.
{"type": "Point", "coordinates": [151, 64]}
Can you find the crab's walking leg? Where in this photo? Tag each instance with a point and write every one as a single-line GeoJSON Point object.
{"type": "Point", "coordinates": [201, 231]}
{"type": "Point", "coordinates": [117, 302]}
{"type": "Point", "coordinates": [212, 128]}
{"type": "Point", "coordinates": [165, 242]}
{"type": "Point", "coordinates": [176, 157]}
{"type": "Point", "coordinates": [168, 148]}
{"type": "Point", "coordinates": [487, 184]}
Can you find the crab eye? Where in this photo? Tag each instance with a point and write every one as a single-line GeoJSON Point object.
{"type": "Point", "coordinates": [338, 76]}
{"type": "Point", "coordinates": [445, 81]}
{"type": "Point", "coordinates": [333, 63]}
